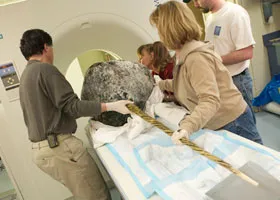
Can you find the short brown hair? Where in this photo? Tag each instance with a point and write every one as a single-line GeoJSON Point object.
{"type": "Point", "coordinates": [176, 24]}
{"type": "Point", "coordinates": [146, 47]}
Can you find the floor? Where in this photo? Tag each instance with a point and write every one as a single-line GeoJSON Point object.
{"type": "Point", "coordinates": [115, 194]}
{"type": "Point", "coordinates": [268, 125]}
{"type": "Point", "coordinates": [7, 191]}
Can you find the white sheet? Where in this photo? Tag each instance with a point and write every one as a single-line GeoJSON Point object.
{"type": "Point", "coordinates": [155, 98]}
{"type": "Point", "coordinates": [170, 114]}
{"type": "Point", "coordinates": [176, 172]}
{"type": "Point", "coordinates": [179, 170]}
{"type": "Point", "coordinates": [104, 134]}
{"type": "Point", "coordinates": [272, 107]}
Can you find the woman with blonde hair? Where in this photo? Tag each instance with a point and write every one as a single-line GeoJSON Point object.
{"type": "Point", "coordinates": [201, 83]}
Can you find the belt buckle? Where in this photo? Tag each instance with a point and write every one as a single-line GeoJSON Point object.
{"type": "Point", "coordinates": [39, 145]}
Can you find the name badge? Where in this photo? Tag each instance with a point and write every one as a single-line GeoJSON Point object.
{"type": "Point", "coordinates": [217, 30]}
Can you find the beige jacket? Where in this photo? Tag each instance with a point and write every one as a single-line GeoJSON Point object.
{"type": "Point", "coordinates": [203, 85]}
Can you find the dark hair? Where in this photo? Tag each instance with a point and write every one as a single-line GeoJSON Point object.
{"type": "Point", "coordinates": [33, 41]}
{"type": "Point", "coordinates": [161, 56]}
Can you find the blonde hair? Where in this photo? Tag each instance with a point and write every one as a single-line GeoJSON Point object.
{"type": "Point", "coordinates": [176, 24]}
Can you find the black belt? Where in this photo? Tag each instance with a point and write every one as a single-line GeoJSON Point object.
{"type": "Point", "coordinates": [57, 134]}
{"type": "Point", "coordinates": [242, 73]}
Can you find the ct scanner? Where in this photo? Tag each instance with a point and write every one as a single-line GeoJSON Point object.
{"type": "Point", "coordinates": [76, 27]}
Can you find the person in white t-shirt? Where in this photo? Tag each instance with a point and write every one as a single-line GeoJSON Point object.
{"type": "Point", "coordinates": [228, 28]}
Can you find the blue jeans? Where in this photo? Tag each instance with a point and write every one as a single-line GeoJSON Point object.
{"type": "Point", "coordinates": [244, 83]}
{"type": "Point", "coordinates": [244, 126]}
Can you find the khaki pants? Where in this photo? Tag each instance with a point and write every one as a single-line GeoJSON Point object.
{"type": "Point", "coordinates": [72, 165]}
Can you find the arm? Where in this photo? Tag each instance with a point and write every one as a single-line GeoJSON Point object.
{"type": "Point", "coordinates": [103, 107]}
{"type": "Point", "coordinates": [166, 85]}
{"type": "Point", "coordinates": [238, 56]}
{"type": "Point", "coordinates": [242, 38]}
{"type": "Point", "coordinates": [201, 73]}
{"type": "Point", "coordinates": [61, 94]}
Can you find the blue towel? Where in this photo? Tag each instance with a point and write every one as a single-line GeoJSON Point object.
{"type": "Point", "coordinates": [270, 93]}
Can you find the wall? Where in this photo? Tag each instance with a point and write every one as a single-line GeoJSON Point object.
{"type": "Point", "coordinates": [199, 17]}
{"type": "Point", "coordinates": [86, 59]}
{"type": "Point", "coordinates": [259, 65]}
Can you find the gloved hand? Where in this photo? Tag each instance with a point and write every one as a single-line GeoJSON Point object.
{"type": "Point", "coordinates": [157, 80]}
{"type": "Point", "coordinates": [177, 135]}
{"type": "Point", "coordinates": [118, 106]}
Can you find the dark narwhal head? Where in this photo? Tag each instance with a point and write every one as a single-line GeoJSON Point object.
{"type": "Point", "coordinates": [117, 80]}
